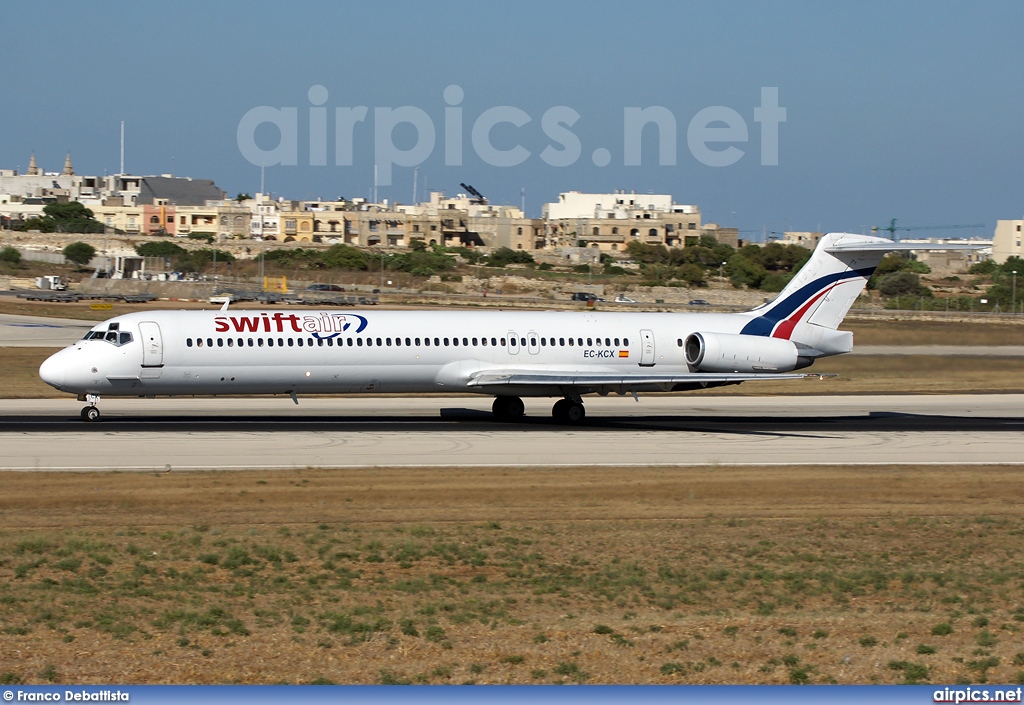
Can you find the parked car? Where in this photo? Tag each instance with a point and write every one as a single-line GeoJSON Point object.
{"type": "Point", "coordinates": [585, 296]}
{"type": "Point", "coordinates": [623, 299]}
{"type": "Point", "coordinates": [324, 287]}
{"type": "Point", "coordinates": [699, 302]}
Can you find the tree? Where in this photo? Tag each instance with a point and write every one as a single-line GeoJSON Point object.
{"type": "Point", "coordinates": [242, 197]}
{"type": "Point", "coordinates": [505, 255]}
{"type": "Point", "coordinates": [160, 249]}
{"type": "Point", "coordinates": [80, 253]}
{"type": "Point", "coordinates": [11, 256]}
{"type": "Point", "coordinates": [900, 284]}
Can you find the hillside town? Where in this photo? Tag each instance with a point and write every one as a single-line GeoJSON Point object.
{"type": "Point", "coordinates": [668, 244]}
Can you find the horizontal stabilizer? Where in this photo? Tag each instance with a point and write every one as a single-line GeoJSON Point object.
{"type": "Point", "coordinates": [890, 246]}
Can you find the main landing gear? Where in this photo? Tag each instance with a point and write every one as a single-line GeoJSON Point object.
{"type": "Point", "coordinates": [568, 411]}
{"type": "Point", "coordinates": [91, 413]}
{"type": "Point", "coordinates": [508, 408]}
{"type": "Point", "coordinates": [565, 411]}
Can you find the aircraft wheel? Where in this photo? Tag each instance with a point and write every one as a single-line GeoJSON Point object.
{"type": "Point", "coordinates": [508, 408]}
{"type": "Point", "coordinates": [90, 413]}
{"type": "Point", "coordinates": [558, 410]}
{"type": "Point", "coordinates": [574, 412]}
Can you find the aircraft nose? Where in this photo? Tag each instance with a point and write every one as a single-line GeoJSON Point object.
{"type": "Point", "coordinates": [52, 371]}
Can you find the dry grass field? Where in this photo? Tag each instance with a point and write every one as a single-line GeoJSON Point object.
{"type": "Point", "coordinates": [697, 575]}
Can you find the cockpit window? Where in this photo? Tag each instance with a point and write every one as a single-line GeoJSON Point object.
{"type": "Point", "coordinates": [113, 336]}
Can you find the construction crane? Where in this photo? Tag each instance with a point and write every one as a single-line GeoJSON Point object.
{"type": "Point", "coordinates": [892, 229]}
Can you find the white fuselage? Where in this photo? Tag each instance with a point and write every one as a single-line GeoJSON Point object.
{"type": "Point", "coordinates": [332, 352]}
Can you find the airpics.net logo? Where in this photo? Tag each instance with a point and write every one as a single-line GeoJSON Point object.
{"type": "Point", "coordinates": [714, 135]}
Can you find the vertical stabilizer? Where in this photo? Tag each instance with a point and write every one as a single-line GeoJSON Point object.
{"type": "Point", "coordinates": [824, 289]}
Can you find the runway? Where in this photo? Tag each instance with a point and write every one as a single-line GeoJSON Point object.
{"type": "Point", "coordinates": [233, 433]}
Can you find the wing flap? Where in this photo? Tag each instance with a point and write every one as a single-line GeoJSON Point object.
{"type": "Point", "coordinates": [562, 379]}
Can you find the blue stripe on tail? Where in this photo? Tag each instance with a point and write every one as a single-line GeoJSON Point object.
{"type": "Point", "coordinates": [764, 325]}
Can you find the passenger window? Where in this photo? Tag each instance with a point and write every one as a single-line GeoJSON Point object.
{"type": "Point", "coordinates": [320, 342]}
{"type": "Point", "coordinates": [369, 342]}
{"type": "Point", "coordinates": [570, 342]}
{"type": "Point", "coordinates": [408, 342]}
{"type": "Point", "coordinates": [580, 341]}
{"type": "Point", "coordinates": [298, 341]}
{"type": "Point", "coordinates": [465, 341]}
{"type": "Point", "coordinates": [250, 342]}
{"type": "Point", "coordinates": [625, 341]}
{"type": "Point", "coordinates": [475, 342]}
{"type": "Point", "coordinates": [561, 341]}
{"type": "Point", "coordinates": [446, 342]}
{"type": "Point", "coordinates": [426, 342]}
{"type": "Point", "coordinates": [533, 342]}
{"type": "Point", "coordinates": [241, 342]}
{"type": "Point", "coordinates": [280, 342]}
{"type": "Point", "coordinates": [199, 342]}
{"type": "Point", "coordinates": [494, 342]}
{"type": "Point", "coordinates": [616, 342]}
{"type": "Point", "coordinates": [589, 342]}
{"type": "Point", "coordinates": [484, 341]}
{"type": "Point", "coordinates": [543, 342]}
{"type": "Point", "coordinates": [188, 342]}
{"type": "Point", "coordinates": [259, 342]}
{"type": "Point", "coordinates": [220, 342]}
{"type": "Point", "coordinates": [359, 342]}
{"type": "Point", "coordinates": [379, 341]}
{"type": "Point", "coordinates": [231, 342]}
{"type": "Point", "coordinates": [607, 341]}
{"type": "Point", "coordinates": [270, 342]}
{"type": "Point", "coordinates": [387, 341]}
{"type": "Point", "coordinates": [209, 342]}
{"type": "Point", "coordinates": [350, 343]}
{"type": "Point", "coordinates": [679, 342]}
{"type": "Point", "coordinates": [437, 341]}
{"type": "Point", "coordinates": [330, 342]}
{"type": "Point", "coordinates": [291, 342]}
{"type": "Point", "coordinates": [417, 341]}
{"type": "Point", "coordinates": [502, 342]}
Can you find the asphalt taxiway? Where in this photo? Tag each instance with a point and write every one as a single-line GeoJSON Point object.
{"type": "Point", "coordinates": [250, 433]}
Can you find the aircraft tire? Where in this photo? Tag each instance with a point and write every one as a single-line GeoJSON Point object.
{"type": "Point", "coordinates": [508, 408]}
{"type": "Point", "coordinates": [575, 412]}
{"type": "Point", "coordinates": [90, 413]}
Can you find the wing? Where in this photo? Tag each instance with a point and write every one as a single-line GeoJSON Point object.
{"type": "Point", "coordinates": [619, 382]}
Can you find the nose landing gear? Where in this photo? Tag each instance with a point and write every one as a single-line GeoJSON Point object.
{"type": "Point", "coordinates": [91, 413]}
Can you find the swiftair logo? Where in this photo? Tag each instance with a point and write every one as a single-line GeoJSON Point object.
{"type": "Point", "coordinates": [290, 323]}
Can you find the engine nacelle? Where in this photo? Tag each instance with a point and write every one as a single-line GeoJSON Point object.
{"type": "Point", "coordinates": [725, 352]}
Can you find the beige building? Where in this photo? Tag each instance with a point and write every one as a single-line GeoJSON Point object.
{"type": "Point", "coordinates": [1006, 242]}
{"type": "Point", "coordinates": [609, 221]}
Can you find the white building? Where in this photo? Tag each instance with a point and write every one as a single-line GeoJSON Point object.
{"type": "Point", "coordinates": [613, 206]}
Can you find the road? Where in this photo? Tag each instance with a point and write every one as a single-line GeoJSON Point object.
{"type": "Point", "coordinates": [227, 433]}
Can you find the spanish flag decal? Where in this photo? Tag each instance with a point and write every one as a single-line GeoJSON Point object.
{"type": "Point", "coordinates": [623, 353]}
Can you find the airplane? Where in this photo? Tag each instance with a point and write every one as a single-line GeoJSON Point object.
{"type": "Point", "coordinates": [505, 354]}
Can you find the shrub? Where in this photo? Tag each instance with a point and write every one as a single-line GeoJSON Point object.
{"type": "Point", "coordinates": [80, 253]}
{"type": "Point", "coordinates": [925, 649]}
{"type": "Point", "coordinates": [11, 256]}
{"type": "Point", "coordinates": [603, 629]}
{"type": "Point", "coordinates": [673, 668]}
{"type": "Point", "coordinates": [868, 641]}
{"type": "Point", "coordinates": [943, 629]}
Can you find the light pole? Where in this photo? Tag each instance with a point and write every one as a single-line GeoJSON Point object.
{"type": "Point", "coordinates": [1013, 305]}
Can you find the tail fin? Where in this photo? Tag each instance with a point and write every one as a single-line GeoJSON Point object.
{"type": "Point", "coordinates": [817, 298]}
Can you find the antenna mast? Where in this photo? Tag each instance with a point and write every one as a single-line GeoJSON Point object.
{"type": "Point", "coordinates": [122, 148]}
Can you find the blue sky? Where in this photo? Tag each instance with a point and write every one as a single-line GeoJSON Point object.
{"type": "Point", "coordinates": [910, 110]}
